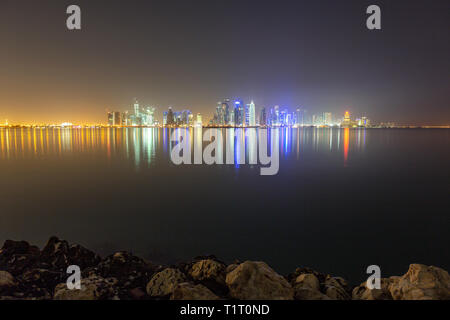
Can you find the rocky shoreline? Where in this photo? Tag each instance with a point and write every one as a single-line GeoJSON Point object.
{"type": "Point", "coordinates": [28, 273]}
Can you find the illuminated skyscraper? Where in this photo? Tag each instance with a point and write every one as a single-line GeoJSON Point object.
{"type": "Point", "coordinates": [170, 117]}
{"type": "Point", "coordinates": [251, 114]}
{"type": "Point", "coordinates": [219, 114]}
{"type": "Point", "coordinates": [111, 118]}
{"type": "Point", "coordinates": [276, 120]}
{"type": "Point", "coordinates": [115, 118]}
{"type": "Point", "coordinates": [136, 108]}
{"type": "Point", "coordinates": [327, 118]}
{"type": "Point", "coordinates": [226, 111]}
{"type": "Point", "coordinates": [263, 117]}
{"type": "Point", "coordinates": [239, 113]}
{"type": "Point", "coordinates": [346, 122]}
{"type": "Point", "coordinates": [199, 120]}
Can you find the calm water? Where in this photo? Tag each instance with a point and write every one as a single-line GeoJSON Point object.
{"type": "Point", "coordinates": [342, 200]}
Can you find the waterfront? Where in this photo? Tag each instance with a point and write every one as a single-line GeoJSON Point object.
{"type": "Point", "coordinates": [343, 198]}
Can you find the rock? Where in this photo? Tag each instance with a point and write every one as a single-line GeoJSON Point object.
{"type": "Point", "coordinates": [189, 291]}
{"type": "Point", "coordinates": [307, 287]}
{"type": "Point", "coordinates": [231, 267]}
{"type": "Point", "coordinates": [163, 283]}
{"type": "Point", "coordinates": [257, 281]}
{"type": "Point", "coordinates": [39, 282]}
{"type": "Point", "coordinates": [308, 280]}
{"type": "Point", "coordinates": [211, 274]}
{"type": "Point", "coordinates": [92, 288]}
{"type": "Point", "coordinates": [361, 292]}
{"type": "Point", "coordinates": [208, 270]}
{"type": "Point", "coordinates": [18, 256]}
{"type": "Point", "coordinates": [130, 271]}
{"type": "Point", "coordinates": [59, 255]}
{"type": "Point", "coordinates": [305, 293]}
{"type": "Point", "coordinates": [421, 283]}
{"type": "Point", "coordinates": [302, 270]}
{"type": "Point", "coordinates": [334, 288]}
{"type": "Point", "coordinates": [7, 283]}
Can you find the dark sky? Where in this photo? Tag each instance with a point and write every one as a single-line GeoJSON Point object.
{"type": "Point", "coordinates": [191, 54]}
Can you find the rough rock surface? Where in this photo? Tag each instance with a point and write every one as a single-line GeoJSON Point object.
{"type": "Point", "coordinates": [92, 288]}
{"type": "Point", "coordinates": [361, 292]}
{"type": "Point", "coordinates": [27, 273]}
{"type": "Point", "coordinates": [163, 283]}
{"type": "Point", "coordinates": [307, 287]}
{"type": "Point", "coordinates": [18, 256]}
{"type": "Point", "coordinates": [257, 281]}
{"type": "Point", "coordinates": [336, 288]}
{"type": "Point", "coordinates": [421, 283]}
{"type": "Point", "coordinates": [58, 255]}
{"type": "Point", "coordinates": [7, 283]}
{"type": "Point", "coordinates": [189, 291]}
{"type": "Point", "coordinates": [131, 272]}
{"type": "Point", "coordinates": [210, 273]}
{"type": "Point", "coordinates": [308, 280]}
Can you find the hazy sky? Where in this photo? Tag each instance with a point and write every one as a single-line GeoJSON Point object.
{"type": "Point", "coordinates": [191, 54]}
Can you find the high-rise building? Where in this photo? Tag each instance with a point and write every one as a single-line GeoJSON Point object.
{"type": "Point", "coordinates": [263, 117]}
{"type": "Point", "coordinates": [346, 122]}
{"type": "Point", "coordinates": [170, 117]}
{"type": "Point", "coordinates": [115, 118]}
{"type": "Point", "coordinates": [239, 113]}
{"type": "Point", "coordinates": [136, 108]}
{"type": "Point", "coordinates": [219, 114]}
{"type": "Point", "coordinates": [251, 114]}
{"type": "Point", "coordinates": [327, 118]}
{"type": "Point", "coordinates": [226, 111]}
{"type": "Point", "coordinates": [199, 120]}
{"type": "Point", "coordinates": [111, 118]}
{"type": "Point", "coordinates": [276, 121]}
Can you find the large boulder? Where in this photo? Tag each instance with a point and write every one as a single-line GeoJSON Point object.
{"type": "Point", "coordinates": [164, 282]}
{"type": "Point", "coordinates": [421, 283]}
{"type": "Point", "coordinates": [92, 288]}
{"type": "Point", "coordinates": [210, 273]}
{"type": "Point", "coordinates": [361, 292]}
{"type": "Point", "coordinates": [307, 287]}
{"type": "Point", "coordinates": [7, 283]}
{"type": "Point", "coordinates": [189, 291]}
{"type": "Point", "coordinates": [208, 270]}
{"type": "Point", "coordinates": [59, 255]}
{"type": "Point", "coordinates": [292, 277]}
{"type": "Point", "coordinates": [253, 280]}
{"type": "Point", "coordinates": [18, 256]}
{"type": "Point", "coordinates": [308, 280]}
{"type": "Point", "coordinates": [336, 288]}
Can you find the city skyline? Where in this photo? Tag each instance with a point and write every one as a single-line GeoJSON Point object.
{"type": "Point", "coordinates": [299, 54]}
{"type": "Point", "coordinates": [138, 114]}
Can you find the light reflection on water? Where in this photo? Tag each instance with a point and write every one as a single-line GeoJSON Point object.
{"type": "Point", "coordinates": [143, 145]}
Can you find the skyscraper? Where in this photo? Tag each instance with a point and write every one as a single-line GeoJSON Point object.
{"type": "Point", "coordinates": [327, 118]}
{"type": "Point", "coordinates": [136, 108]}
{"type": "Point", "coordinates": [263, 117]}
{"type": "Point", "coordinates": [239, 113]}
{"type": "Point", "coordinates": [219, 114]}
{"type": "Point", "coordinates": [170, 117]}
{"type": "Point", "coordinates": [251, 114]}
{"type": "Point", "coordinates": [226, 111]}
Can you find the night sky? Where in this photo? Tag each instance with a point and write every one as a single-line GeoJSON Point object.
{"type": "Point", "coordinates": [191, 54]}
